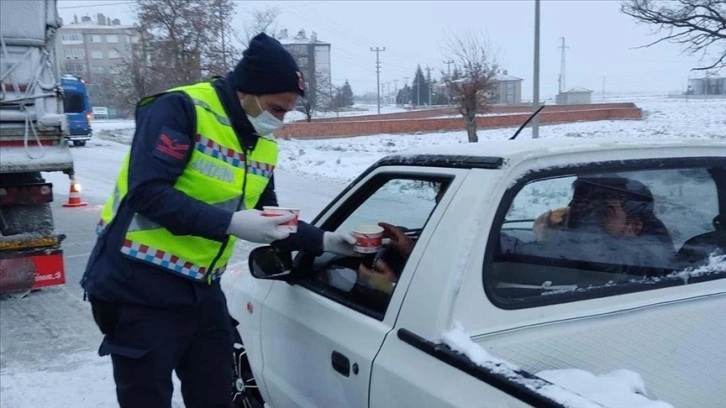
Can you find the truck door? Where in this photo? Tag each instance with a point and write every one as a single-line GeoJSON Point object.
{"type": "Point", "coordinates": [322, 333]}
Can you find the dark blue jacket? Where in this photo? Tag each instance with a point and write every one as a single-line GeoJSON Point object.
{"type": "Point", "coordinates": [112, 276]}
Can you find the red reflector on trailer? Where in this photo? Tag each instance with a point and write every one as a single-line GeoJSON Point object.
{"type": "Point", "coordinates": [26, 194]}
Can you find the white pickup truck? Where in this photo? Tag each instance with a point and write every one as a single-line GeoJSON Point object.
{"type": "Point", "coordinates": [598, 255]}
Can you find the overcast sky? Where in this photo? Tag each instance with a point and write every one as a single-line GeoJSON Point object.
{"type": "Point", "coordinates": [600, 38]}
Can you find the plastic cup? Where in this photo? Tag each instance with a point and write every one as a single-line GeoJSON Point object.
{"type": "Point", "coordinates": [290, 226]}
{"type": "Point", "coordinates": [368, 238]}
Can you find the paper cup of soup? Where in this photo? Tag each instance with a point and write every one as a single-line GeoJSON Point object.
{"type": "Point", "coordinates": [368, 238]}
{"type": "Point", "coordinates": [290, 226]}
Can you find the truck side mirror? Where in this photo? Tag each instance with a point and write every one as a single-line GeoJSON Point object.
{"type": "Point", "coordinates": [270, 263]}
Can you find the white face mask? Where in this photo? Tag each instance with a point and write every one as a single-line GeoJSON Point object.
{"type": "Point", "coordinates": [264, 123]}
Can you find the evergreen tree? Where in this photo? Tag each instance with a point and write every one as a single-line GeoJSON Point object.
{"type": "Point", "coordinates": [404, 95]}
{"type": "Point", "coordinates": [347, 94]}
{"type": "Point", "coordinates": [419, 88]}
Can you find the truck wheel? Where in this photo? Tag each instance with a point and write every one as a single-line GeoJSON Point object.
{"type": "Point", "coordinates": [19, 219]}
{"type": "Point", "coordinates": [79, 143]}
{"type": "Point", "coordinates": [245, 393]}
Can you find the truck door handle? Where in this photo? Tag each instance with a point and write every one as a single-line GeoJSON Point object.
{"type": "Point", "coordinates": [341, 363]}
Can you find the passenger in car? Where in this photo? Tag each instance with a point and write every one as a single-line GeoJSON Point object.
{"type": "Point", "coordinates": [609, 219]}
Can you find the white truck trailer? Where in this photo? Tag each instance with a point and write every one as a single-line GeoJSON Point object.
{"type": "Point", "coordinates": [33, 129]}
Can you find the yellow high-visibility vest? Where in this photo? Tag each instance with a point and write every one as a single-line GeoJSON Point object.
{"type": "Point", "coordinates": [218, 172]}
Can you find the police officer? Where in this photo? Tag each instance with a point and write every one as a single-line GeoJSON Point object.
{"type": "Point", "coordinates": [201, 166]}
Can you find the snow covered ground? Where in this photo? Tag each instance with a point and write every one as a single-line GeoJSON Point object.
{"type": "Point", "coordinates": [311, 173]}
{"type": "Point", "coordinates": [343, 159]}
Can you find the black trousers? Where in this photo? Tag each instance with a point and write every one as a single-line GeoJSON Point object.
{"type": "Point", "coordinates": [147, 344]}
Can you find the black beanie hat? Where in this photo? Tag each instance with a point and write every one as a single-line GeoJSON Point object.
{"type": "Point", "coordinates": [267, 68]}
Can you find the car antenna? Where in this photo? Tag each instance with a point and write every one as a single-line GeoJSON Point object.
{"type": "Point", "coordinates": [527, 122]}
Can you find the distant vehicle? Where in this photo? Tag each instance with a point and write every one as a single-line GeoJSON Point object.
{"type": "Point", "coordinates": [551, 253]}
{"type": "Point", "coordinates": [100, 112]}
{"type": "Point", "coordinates": [77, 107]}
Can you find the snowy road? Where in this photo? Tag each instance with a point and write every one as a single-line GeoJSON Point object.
{"type": "Point", "coordinates": [48, 340]}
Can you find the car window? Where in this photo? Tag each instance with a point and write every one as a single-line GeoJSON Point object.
{"type": "Point", "coordinates": [586, 235]}
{"type": "Point", "coordinates": [367, 282]}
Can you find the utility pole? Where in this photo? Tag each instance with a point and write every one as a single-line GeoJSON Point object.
{"type": "Point", "coordinates": [378, 51]}
{"type": "Point", "coordinates": [535, 97]}
{"type": "Point", "coordinates": [448, 70]}
{"type": "Point", "coordinates": [405, 84]}
{"type": "Point", "coordinates": [428, 79]}
{"type": "Point", "coordinates": [448, 67]}
{"type": "Point", "coordinates": [562, 85]}
{"type": "Point", "coordinates": [603, 88]}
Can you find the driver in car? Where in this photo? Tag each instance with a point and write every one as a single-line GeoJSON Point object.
{"type": "Point", "coordinates": [383, 273]}
{"type": "Point", "coordinates": [608, 218]}
{"type": "Point", "coordinates": [385, 270]}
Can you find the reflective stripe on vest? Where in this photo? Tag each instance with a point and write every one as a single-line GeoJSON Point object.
{"type": "Point", "coordinates": [215, 174]}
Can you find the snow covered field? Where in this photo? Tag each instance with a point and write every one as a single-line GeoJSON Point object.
{"type": "Point", "coordinates": [310, 173]}
{"type": "Point", "coordinates": [343, 159]}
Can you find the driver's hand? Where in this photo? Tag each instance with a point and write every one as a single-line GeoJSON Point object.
{"type": "Point", "coordinates": [381, 277]}
{"type": "Point", "coordinates": [399, 240]}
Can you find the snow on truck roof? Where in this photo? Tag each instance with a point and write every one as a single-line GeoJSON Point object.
{"type": "Point", "coordinates": [493, 153]}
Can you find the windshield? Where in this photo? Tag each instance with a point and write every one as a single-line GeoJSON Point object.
{"type": "Point", "coordinates": [73, 102]}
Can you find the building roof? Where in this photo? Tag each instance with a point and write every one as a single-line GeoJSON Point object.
{"type": "Point", "coordinates": [293, 41]}
{"type": "Point", "coordinates": [578, 90]}
{"type": "Point", "coordinates": [708, 78]}
{"type": "Point", "coordinates": [92, 25]}
{"type": "Point", "coordinates": [505, 77]}
{"type": "Point", "coordinates": [299, 38]}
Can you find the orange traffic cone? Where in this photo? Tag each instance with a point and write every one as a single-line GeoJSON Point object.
{"type": "Point", "coordinates": [74, 198]}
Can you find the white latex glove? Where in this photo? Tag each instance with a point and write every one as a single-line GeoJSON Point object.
{"type": "Point", "coordinates": [251, 226]}
{"type": "Point", "coordinates": [340, 243]}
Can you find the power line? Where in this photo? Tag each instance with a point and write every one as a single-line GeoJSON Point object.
{"type": "Point", "coordinates": [378, 51]}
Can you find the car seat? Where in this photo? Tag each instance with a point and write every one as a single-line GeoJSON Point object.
{"type": "Point", "coordinates": [697, 249]}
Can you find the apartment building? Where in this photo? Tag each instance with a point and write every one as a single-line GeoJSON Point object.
{"type": "Point", "coordinates": [313, 57]}
{"type": "Point", "coordinates": [95, 49]}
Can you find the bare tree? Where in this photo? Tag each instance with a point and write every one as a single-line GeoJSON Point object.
{"type": "Point", "coordinates": [472, 92]}
{"type": "Point", "coordinates": [221, 55]}
{"type": "Point", "coordinates": [699, 25]}
{"type": "Point", "coordinates": [259, 21]}
{"type": "Point", "coordinates": [136, 76]}
{"type": "Point", "coordinates": [320, 97]}
{"type": "Point", "coordinates": [182, 31]}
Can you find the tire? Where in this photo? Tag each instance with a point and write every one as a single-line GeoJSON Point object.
{"type": "Point", "coordinates": [19, 219]}
{"type": "Point", "coordinates": [245, 393]}
{"type": "Point", "coordinates": [79, 143]}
